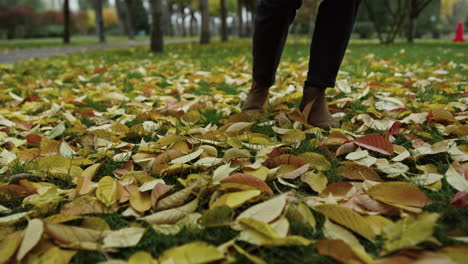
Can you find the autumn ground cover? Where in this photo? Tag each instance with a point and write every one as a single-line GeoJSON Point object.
{"type": "Point", "coordinates": [138, 157]}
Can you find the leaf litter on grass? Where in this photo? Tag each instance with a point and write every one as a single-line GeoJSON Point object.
{"type": "Point", "coordinates": [163, 159]}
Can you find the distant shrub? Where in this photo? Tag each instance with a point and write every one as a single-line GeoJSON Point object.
{"type": "Point", "coordinates": [364, 29]}
{"type": "Point", "coordinates": [17, 20]}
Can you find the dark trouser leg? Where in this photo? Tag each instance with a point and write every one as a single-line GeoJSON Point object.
{"type": "Point", "coordinates": [271, 30]}
{"type": "Point", "coordinates": [333, 29]}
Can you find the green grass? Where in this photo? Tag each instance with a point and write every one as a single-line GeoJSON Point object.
{"type": "Point", "coordinates": [15, 44]}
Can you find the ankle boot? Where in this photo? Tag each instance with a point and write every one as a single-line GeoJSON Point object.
{"type": "Point", "coordinates": [256, 100]}
{"type": "Point", "coordinates": [315, 105]}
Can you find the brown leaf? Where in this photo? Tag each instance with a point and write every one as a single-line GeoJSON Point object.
{"type": "Point", "coordinates": [246, 179]}
{"type": "Point", "coordinates": [284, 159]}
{"type": "Point", "coordinates": [175, 199]}
{"type": "Point", "coordinates": [159, 191]}
{"type": "Point", "coordinates": [399, 193]}
{"type": "Point", "coordinates": [441, 116]}
{"type": "Point", "coordinates": [355, 171]}
{"type": "Point", "coordinates": [66, 234]}
{"type": "Point", "coordinates": [337, 249]}
{"type": "Point", "coordinates": [337, 189]}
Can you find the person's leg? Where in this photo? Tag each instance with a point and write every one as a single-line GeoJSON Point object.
{"type": "Point", "coordinates": [333, 29]}
{"type": "Point", "coordinates": [272, 22]}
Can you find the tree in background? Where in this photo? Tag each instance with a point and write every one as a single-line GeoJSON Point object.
{"type": "Point", "coordinates": [100, 29]}
{"type": "Point", "coordinates": [124, 19]}
{"type": "Point", "coordinates": [415, 9]}
{"type": "Point", "coordinates": [34, 4]}
{"type": "Point", "coordinates": [157, 41]}
{"type": "Point", "coordinates": [138, 16]}
{"type": "Point", "coordinates": [240, 19]}
{"type": "Point", "coordinates": [224, 29]}
{"type": "Point", "coordinates": [205, 35]}
{"type": "Point", "coordinates": [66, 22]}
{"type": "Point", "coordinates": [388, 17]}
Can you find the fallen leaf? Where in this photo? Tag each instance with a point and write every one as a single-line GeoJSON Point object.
{"type": "Point", "coordinates": [376, 143]}
{"type": "Point", "coordinates": [192, 253]}
{"type": "Point", "coordinates": [31, 236]}
{"type": "Point", "coordinates": [125, 237]}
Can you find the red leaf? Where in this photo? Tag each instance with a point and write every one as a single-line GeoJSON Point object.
{"type": "Point", "coordinates": [283, 159]}
{"type": "Point", "coordinates": [376, 143]}
{"type": "Point", "coordinates": [395, 128]}
{"type": "Point", "coordinates": [100, 70]}
{"type": "Point", "coordinates": [460, 200]}
{"type": "Point", "coordinates": [33, 139]}
{"type": "Point", "coordinates": [32, 98]}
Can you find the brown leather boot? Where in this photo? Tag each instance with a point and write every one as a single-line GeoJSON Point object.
{"type": "Point", "coordinates": [257, 99]}
{"type": "Point", "coordinates": [314, 106]}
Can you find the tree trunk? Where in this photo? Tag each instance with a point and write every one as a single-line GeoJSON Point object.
{"type": "Point", "coordinates": [193, 23]}
{"type": "Point", "coordinates": [124, 18]}
{"type": "Point", "coordinates": [157, 44]}
{"type": "Point", "coordinates": [121, 17]}
{"type": "Point", "coordinates": [205, 20]}
{"type": "Point", "coordinates": [170, 10]}
{"type": "Point", "coordinates": [129, 15]}
{"type": "Point", "coordinates": [66, 21]}
{"type": "Point", "coordinates": [182, 19]}
{"type": "Point", "coordinates": [99, 21]}
{"type": "Point", "coordinates": [412, 29]}
{"type": "Point", "coordinates": [240, 23]}
{"type": "Point", "coordinates": [224, 30]}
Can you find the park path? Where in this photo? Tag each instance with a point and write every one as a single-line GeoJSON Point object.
{"type": "Point", "coordinates": [13, 56]}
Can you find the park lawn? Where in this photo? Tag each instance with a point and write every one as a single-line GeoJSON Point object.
{"type": "Point", "coordinates": [8, 45]}
{"type": "Point", "coordinates": [178, 163]}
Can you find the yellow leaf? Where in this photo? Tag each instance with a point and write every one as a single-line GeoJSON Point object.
{"type": "Point", "coordinates": [316, 161]}
{"type": "Point", "coordinates": [95, 223]}
{"type": "Point", "coordinates": [235, 153]}
{"type": "Point", "coordinates": [125, 237]}
{"type": "Point", "coordinates": [301, 212]}
{"type": "Point", "coordinates": [236, 199]}
{"type": "Point", "coordinates": [254, 259]}
{"type": "Point", "coordinates": [333, 231]}
{"type": "Point", "coordinates": [191, 253]}
{"type": "Point", "coordinates": [261, 233]}
{"type": "Point", "coordinates": [107, 191]}
{"type": "Point", "coordinates": [317, 181]}
{"type": "Point", "coordinates": [348, 218]}
{"type": "Point", "coordinates": [409, 231]}
{"type": "Point", "coordinates": [31, 237]}
{"type": "Point", "coordinates": [55, 255]}
{"type": "Point", "coordinates": [191, 117]}
{"type": "Point", "coordinates": [294, 136]}
{"type": "Point", "coordinates": [261, 173]}
{"type": "Point", "coordinates": [9, 245]}
{"type": "Point", "coordinates": [266, 211]}
{"type": "Point", "coordinates": [142, 257]}
{"type": "Point", "coordinates": [140, 201]}
{"type": "Point", "coordinates": [84, 182]}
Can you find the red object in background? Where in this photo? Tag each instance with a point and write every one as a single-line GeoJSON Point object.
{"type": "Point", "coordinates": [459, 33]}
